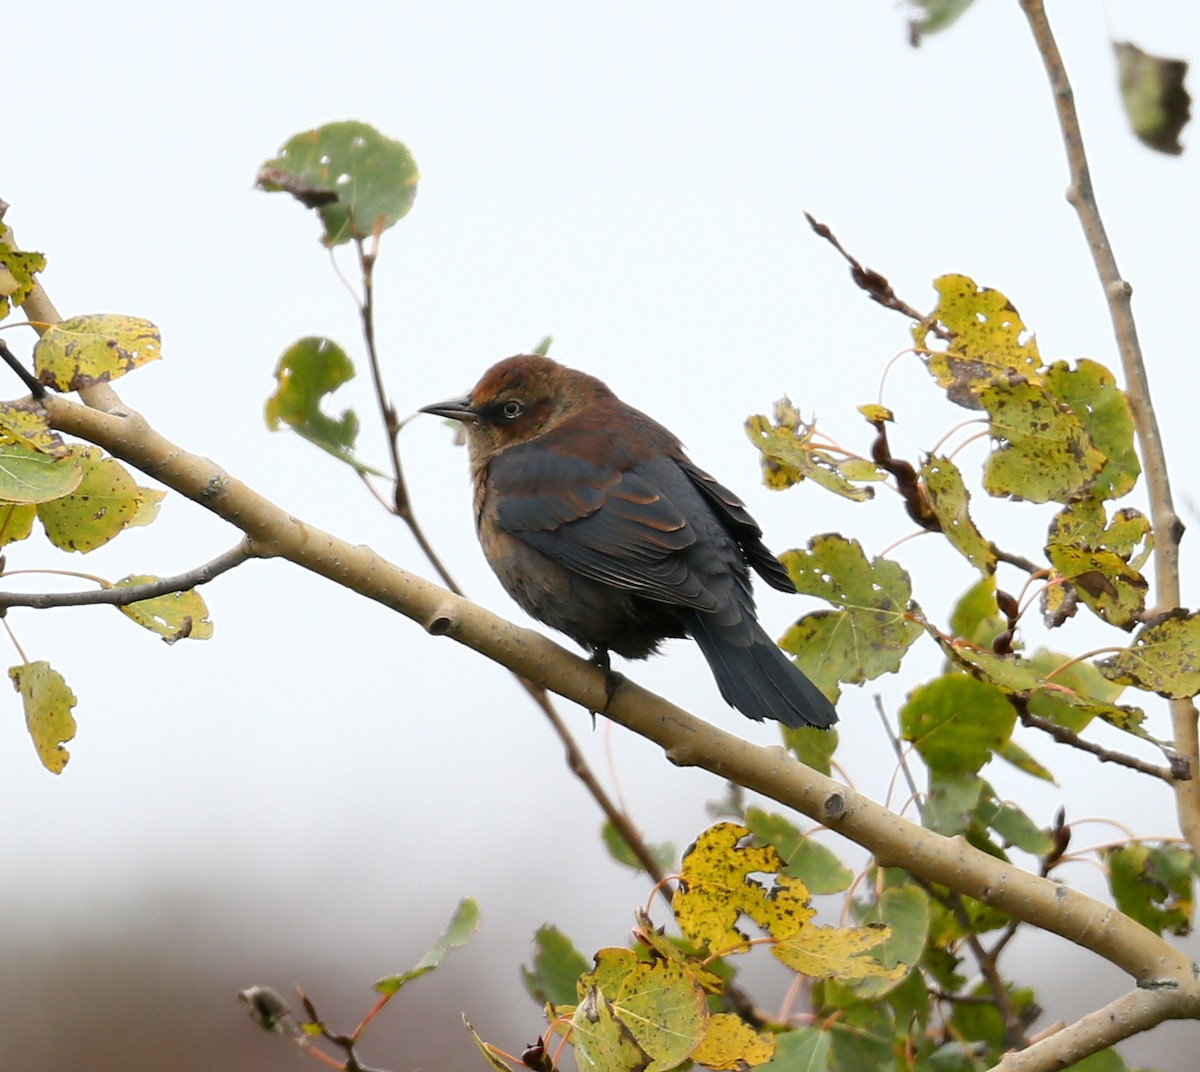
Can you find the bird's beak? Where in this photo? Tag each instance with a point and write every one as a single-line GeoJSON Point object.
{"type": "Point", "coordinates": [456, 409]}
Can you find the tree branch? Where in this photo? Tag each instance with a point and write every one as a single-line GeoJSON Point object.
{"type": "Point", "coordinates": [1168, 528]}
{"type": "Point", "coordinates": [686, 740]}
{"type": "Point", "coordinates": [133, 593]}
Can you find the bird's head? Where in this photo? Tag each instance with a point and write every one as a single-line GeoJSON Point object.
{"type": "Point", "coordinates": [518, 399]}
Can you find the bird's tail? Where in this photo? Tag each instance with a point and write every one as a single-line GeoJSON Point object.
{"type": "Point", "coordinates": [753, 674]}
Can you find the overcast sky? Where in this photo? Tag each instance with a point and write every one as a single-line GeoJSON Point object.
{"type": "Point", "coordinates": [630, 179]}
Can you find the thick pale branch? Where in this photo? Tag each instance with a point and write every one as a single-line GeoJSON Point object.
{"type": "Point", "coordinates": [1131, 1013]}
{"type": "Point", "coordinates": [685, 739]}
{"type": "Point", "coordinates": [1168, 529]}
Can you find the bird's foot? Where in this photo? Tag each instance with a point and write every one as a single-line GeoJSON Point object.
{"type": "Point", "coordinates": [612, 680]}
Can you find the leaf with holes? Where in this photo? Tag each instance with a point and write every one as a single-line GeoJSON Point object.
{"type": "Point", "coordinates": [1162, 657]}
{"type": "Point", "coordinates": [17, 271]}
{"type": "Point", "coordinates": [173, 616]}
{"type": "Point", "coordinates": [716, 889]}
{"type": "Point", "coordinates": [359, 181]}
{"type": "Point", "coordinates": [789, 456]}
{"type": "Point", "coordinates": [1044, 451]}
{"type": "Point", "coordinates": [949, 499]}
{"type": "Point", "coordinates": [987, 344]}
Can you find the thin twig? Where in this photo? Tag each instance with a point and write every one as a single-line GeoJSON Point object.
{"type": "Point", "coordinates": [869, 280]}
{"type": "Point", "coordinates": [1014, 1030]}
{"type": "Point", "coordinates": [1168, 528]}
{"type": "Point", "coordinates": [1171, 775]}
{"type": "Point", "coordinates": [134, 593]}
{"type": "Point", "coordinates": [36, 388]}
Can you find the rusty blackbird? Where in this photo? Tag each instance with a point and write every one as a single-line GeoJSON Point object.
{"type": "Point", "coordinates": [599, 525]}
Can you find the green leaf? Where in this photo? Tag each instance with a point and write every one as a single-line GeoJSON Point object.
{"type": "Point", "coordinates": [17, 269]}
{"type": "Point", "coordinates": [1153, 884]}
{"type": "Point", "coordinates": [28, 476]}
{"type": "Point", "coordinates": [1155, 99]}
{"type": "Point", "coordinates": [359, 181]}
{"type": "Point", "coordinates": [106, 500]}
{"type": "Point", "coordinates": [937, 15]}
{"type": "Point", "coordinates": [1093, 694]}
{"type": "Point", "coordinates": [803, 857]}
{"type": "Point", "coordinates": [1015, 827]}
{"type": "Point", "coordinates": [805, 1049]}
{"type": "Point", "coordinates": [174, 616]}
{"type": "Point", "coordinates": [557, 966]}
{"type": "Point", "coordinates": [987, 345]}
{"type": "Point", "coordinates": [543, 347]}
{"type": "Point", "coordinates": [489, 1054]}
{"type": "Point", "coordinates": [904, 911]}
{"type": "Point", "coordinates": [1162, 657]}
{"type": "Point", "coordinates": [1013, 753]}
{"type": "Point", "coordinates": [956, 722]}
{"type": "Point", "coordinates": [874, 626]}
{"type": "Point", "coordinates": [948, 498]}
{"type": "Point", "coordinates": [976, 618]}
{"type": "Point", "coordinates": [463, 923]}
{"type": "Point", "coordinates": [790, 456]}
{"type": "Point", "coordinates": [620, 851]}
{"type": "Point", "coordinates": [1045, 452]}
{"type": "Point", "coordinates": [47, 699]}
{"type": "Point", "coordinates": [308, 370]}
{"type": "Point", "coordinates": [950, 804]}
{"type": "Point", "coordinates": [813, 747]}
{"type": "Point", "coordinates": [1104, 1061]}
{"type": "Point", "coordinates": [87, 350]}
{"type": "Point", "coordinates": [1091, 393]}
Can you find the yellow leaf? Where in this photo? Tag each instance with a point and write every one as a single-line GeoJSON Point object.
{"type": "Point", "coordinates": [665, 1010]}
{"type": "Point", "coordinates": [836, 952]}
{"type": "Point", "coordinates": [732, 1044]}
{"type": "Point", "coordinates": [716, 889]}
{"type": "Point", "coordinates": [106, 500]}
{"type": "Point", "coordinates": [94, 349]}
{"type": "Point", "coordinates": [986, 344]}
{"type": "Point", "coordinates": [26, 422]}
{"type": "Point", "coordinates": [174, 616]}
{"type": "Point", "coordinates": [16, 521]}
{"type": "Point", "coordinates": [602, 1042]}
{"type": "Point", "coordinates": [48, 700]}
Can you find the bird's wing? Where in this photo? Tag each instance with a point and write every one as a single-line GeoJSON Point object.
{"type": "Point", "coordinates": [608, 524]}
{"type": "Point", "coordinates": [732, 513]}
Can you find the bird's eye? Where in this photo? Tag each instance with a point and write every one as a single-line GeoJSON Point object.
{"type": "Point", "coordinates": [512, 409]}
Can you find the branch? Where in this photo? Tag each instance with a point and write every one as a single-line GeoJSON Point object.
{"type": "Point", "coordinates": [686, 740]}
{"type": "Point", "coordinates": [1063, 735]}
{"type": "Point", "coordinates": [1168, 528]}
{"type": "Point", "coordinates": [132, 593]}
{"type": "Point", "coordinates": [1138, 1010]}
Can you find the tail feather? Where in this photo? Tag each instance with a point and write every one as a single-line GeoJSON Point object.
{"type": "Point", "coordinates": [755, 676]}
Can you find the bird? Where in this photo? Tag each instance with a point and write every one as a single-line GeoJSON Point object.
{"type": "Point", "coordinates": [599, 525]}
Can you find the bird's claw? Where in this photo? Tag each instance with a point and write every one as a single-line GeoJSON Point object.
{"type": "Point", "coordinates": [612, 680]}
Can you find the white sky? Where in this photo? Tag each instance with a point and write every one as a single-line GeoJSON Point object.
{"type": "Point", "coordinates": [630, 179]}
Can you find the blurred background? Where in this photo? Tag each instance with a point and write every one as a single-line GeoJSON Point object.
{"type": "Point", "coordinates": [305, 797]}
